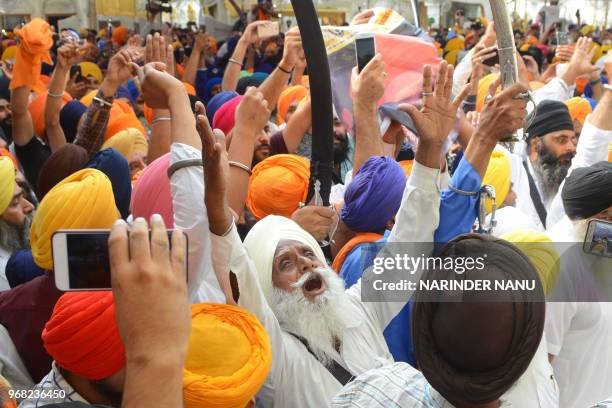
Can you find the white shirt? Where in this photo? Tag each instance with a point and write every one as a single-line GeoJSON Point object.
{"type": "Point", "coordinates": [187, 186]}
{"type": "Point", "coordinates": [53, 388]}
{"type": "Point", "coordinates": [297, 379]}
{"type": "Point", "coordinates": [555, 90]}
{"type": "Point", "coordinates": [4, 257]}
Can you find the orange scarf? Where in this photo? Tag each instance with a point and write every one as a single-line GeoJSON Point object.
{"type": "Point", "coordinates": [36, 40]}
{"type": "Point", "coordinates": [360, 238]}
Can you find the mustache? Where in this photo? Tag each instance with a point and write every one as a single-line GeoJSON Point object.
{"type": "Point", "coordinates": [307, 276]}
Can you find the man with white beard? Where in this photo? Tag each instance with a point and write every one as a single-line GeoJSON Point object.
{"type": "Point", "coordinates": [579, 330]}
{"type": "Point", "coordinates": [15, 217]}
{"type": "Point", "coordinates": [322, 335]}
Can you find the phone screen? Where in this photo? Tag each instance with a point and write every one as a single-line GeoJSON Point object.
{"type": "Point", "coordinates": [599, 238]}
{"type": "Point", "coordinates": [270, 29]}
{"type": "Point", "coordinates": [493, 60]}
{"type": "Point", "coordinates": [562, 38]}
{"type": "Point", "coordinates": [365, 49]}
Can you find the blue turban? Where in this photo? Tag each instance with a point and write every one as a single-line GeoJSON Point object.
{"type": "Point", "coordinates": [254, 80]}
{"type": "Point", "coordinates": [374, 195]}
{"type": "Point", "coordinates": [265, 68]}
{"type": "Point", "coordinates": [21, 268]}
{"type": "Point", "coordinates": [69, 118]}
{"type": "Point", "coordinates": [4, 87]}
{"type": "Point", "coordinates": [210, 85]}
{"type": "Point", "coordinates": [217, 101]}
{"type": "Point", "coordinates": [124, 93]}
{"type": "Point", "coordinates": [114, 165]}
{"type": "Point", "coordinates": [133, 89]}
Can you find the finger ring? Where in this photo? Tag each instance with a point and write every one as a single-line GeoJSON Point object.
{"type": "Point", "coordinates": [488, 98]}
{"type": "Point", "coordinates": [427, 94]}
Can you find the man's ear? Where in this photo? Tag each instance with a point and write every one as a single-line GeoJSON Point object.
{"type": "Point", "coordinates": [534, 146]}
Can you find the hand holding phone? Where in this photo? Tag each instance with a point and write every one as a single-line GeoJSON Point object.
{"type": "Point", "coordinates": [598, 239]}
{"type": "Point", "coordinates": [562, 38]}
{"type": "Point", "coordinates": [365, 49]}
{"type": "Point", "coordinates": [492, 61]}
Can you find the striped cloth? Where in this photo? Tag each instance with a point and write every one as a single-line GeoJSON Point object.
{"type": "Point", "coordinates": [54, 381]}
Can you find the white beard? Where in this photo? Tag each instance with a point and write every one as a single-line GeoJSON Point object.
{"type": "Point", "coordinates": [321, 322]}
{"type": "Point", "coordinates": [579, 230]}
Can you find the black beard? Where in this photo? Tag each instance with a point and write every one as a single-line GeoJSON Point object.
{"type": "Point", "coordinates": [550, 170]}
{"type": "Point", "coordinates": [7, 128]}
{"type": "Point", "coordinates": [341, 150]}
{"type": "Point", "coordinates": [14, 238]}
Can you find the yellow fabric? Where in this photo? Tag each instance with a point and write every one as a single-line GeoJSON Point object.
{"type": "Point", "coordinates": [407, 166]}
{"type": "Point", "coordinates": [540, 250]}
{"type": "Point", "coordinates": [579, 108]}
{"type": "Point", "coordinates": [228, 359]}
{"type": "Point", "coordinates": [456, 44]}
{"type": "Point", "coordinates": [116, 8]}
{"type": "Point", "coordinates": [83, 200]}
{"type": "Point", "coordinates": [7, 182]}
{"type": "Point", "coordinates": [127, 142]}
{"type": "Point", "coordinates": [535, 85]}
{"type": "Point", "coordinates": [88, 98]}
{"type": "Point", "coordinates": [597, 54]}
{"type": "Point", "coordinates": [483, 89]}
{"type": "Point", "coordinates": [610, 153]}
{"type": "Point", "coordinates": [451, 57]}
{"type": "Point", "coordinates": [90, 69]}
{"type": "Point", "coordinates": [498, 176]}
{"type": "Point", "coordinates": [278, 185]}
{"type": "Point", "coordinates": [286, 98]}
{"type": "Point", "coordinates": [587, 29]}
{"type": "Point", "coordinates": [9, 53]}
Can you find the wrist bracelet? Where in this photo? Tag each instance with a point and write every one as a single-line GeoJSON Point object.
{"type": "Point", "coordinates": [161, 119]}
{"type": "Point", "coordinates": [608, 87]}
{"type": "Point", "coordinates": [181, 164]}
{"type": "Point", "coordinates": [52, 95]}
{"type": "Point", "coordinates": [462, 192]}
{"type": "Point", "coordinates": [229, 229]}
{"type": "Point", "coordinates": [284, 70]}
{"type": "Point", "coordinates": [233, 61]}
{"type": "Point", "coordinates": [240, 166]}
{"type": "Point", "coordinates": [102, 101]}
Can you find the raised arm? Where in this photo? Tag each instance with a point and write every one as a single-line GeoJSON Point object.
{"type": "Point", "coordinates": [298, 125]}
{"type": "Point", "coordinates": [367, 88]}
{"type": "Point", "coordinates": [23, 129]}
{"type": "Point", "coordinates": [67, 55]}
{"type": "Point", "coordinates": [234, 66]}
{"type": "Point", "coordinates": [193, 63]}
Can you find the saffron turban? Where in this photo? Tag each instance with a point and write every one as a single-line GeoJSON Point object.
{"type": "Point", "coordinates": [37, 111]}
{"type": "Point", "coordinates": [82, 335]}
{"type": "Point", "coordinates": [66, 160]}
{"type": "Point", "coordinates": [225, 117]}
{"type": "Point", "coordinates": [407, 167]}
{"type": "Point", "coordinates": [498, 176]}
{"type": "Point", "coordinates": [579, 108]}
{"type": "Point", "coordinates": [120, 35]}
{"type": "Point", "coordinates": [127, 143]}
{"type": "Point", "coordinates": [86, 100]}
{"type": "Point", "coordinates": [83, 200]}
{"type": "Point", "coordinates": [588, 191]}
{"type": "Point", "coordinates": [455, 44]}
{"type": "Point", "coordinates": [262, 240]}
{"type": "Point", "coordinates": [36, 40]}
{"type": "Point", "coordinates": [551, 116]}
{"type": "Point", "coordinates": [151, 193]}
{"type": "Point", "coordinates": [610, 153]}
{"type": "Point", "coordinates": [483, 90]}
{"type": "Point", "coordinates": [287, 98]}
{"type": "Point", "coordinates": [70, 115]}
{"type": "Point", "coordinates": [217, 101]}
{"type": "Point", "coordinates": [7, 183]}
{"type": "Point", "coordinates": [119, 121]}
{"type": "Point", "coordinates": [229, 357]}
{"type": "Point", "coordinates": [374, 195]}
{"type": "Point", "coordinates": [540, 250]}
{"type": "Point", "coordinates": [89, 69]}
{"type": "Point", "coordinates": [9, 53]}
{"type": "Point", "coordinates": [116, 168]}
{"type": "Point", "coordinates": [278, 185]}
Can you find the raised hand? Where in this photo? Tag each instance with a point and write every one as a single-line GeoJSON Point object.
{"type": "Point", "coordinates": [253, 113]}
{"type": "Point", "coordinates": [120, 68]}
{"type": "Point", "coordinates": [368, 86]}
{"type": "Point", "coordinates": [293, 51]}
{"type": "Point", "coordinates": [581, 59]}
{"type": "Point", "coordinates": [250, 36]}
{"type": "Point", "coordinates": [156, 50]}
{"type": "Point", "coordinates": [67, 56]}
{"type": "Point", "coordinates": [158, 87]}
{"type": "Point", "coordinates": [436, 118]}
{"type": "Point", "coordinates": [503, 113]}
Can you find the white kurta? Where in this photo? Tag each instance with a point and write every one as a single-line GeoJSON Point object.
{"type": "Point", "coordinates": [297, 379]}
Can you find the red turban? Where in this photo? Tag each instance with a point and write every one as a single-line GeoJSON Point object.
{"type": "Point", "coordinates": [151, 193]}
{"type": "Point", "coordinates": [225, 117]}
{"type": "Point", "coordinates": [82, 335]}
{"type": "Point", "coordinates": [120, 35]}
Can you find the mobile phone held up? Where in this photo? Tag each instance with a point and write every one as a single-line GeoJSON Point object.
{"type": "Point", "coordinates": [268, 30]}
{"type": "Point", "coordinates": [491, 62]}
{"type": "Point", "coordinates": [365, 49]}
{"type": "Point", "coordinates": [562, 38]}
{"type": "Point", "coordinates": [81, 259]}
{"type": "Point", "coordinates": [598, 239]}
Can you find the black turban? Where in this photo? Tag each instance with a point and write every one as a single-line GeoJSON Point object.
{"type": "Point", "coordinates": [588, 191]}
{"type": "Point", "coordinates": [550, 116]}
{"type": "Point", "coordinates": [473, 350]}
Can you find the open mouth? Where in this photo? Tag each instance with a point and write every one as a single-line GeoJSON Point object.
{"type": "Point", "coordinates": [314, 286]}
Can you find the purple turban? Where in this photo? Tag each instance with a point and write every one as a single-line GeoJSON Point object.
{"type": "Point", "coordinates": [217, 101]}
{"type": "Point", "coordinates": [374, 196]}
{"type": "Point", "coordinates": [69, 118]}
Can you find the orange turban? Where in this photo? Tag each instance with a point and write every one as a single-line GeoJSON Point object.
{"type": "Point", "coordinates": [286, 98]}
{"type": "Point", "coordinates": [483, 89]}
{"type": "Point", "coordinates": [83, 200]}
{"type": "Point", "coordinates": [86, 100]}
{"type": "Point", "coordinates": [180, 70]}
{"type": "Point", "coordinates": [37, 111]}
{"type": "Point", "coordinates": [407, 167]}
{"type": "Point", "coordinates": [229, 357]}
{"type": "Point", "coordinates": [278, 185]}
{"type": "Point", "coordinates": [82, 335]}
{"type": "Point", "coordinates": [579, 108]}
{"type": "Point", "coordinates": [36, 40]}
{"type": "Point", "coordinates": [120, 120]}
{"type": "Point", "coordinates": [610, 153]}
{"type": "Point", "coordinates": [581, 84]}
{"type": "Point", "coordinates": [189, 88]}
{"type": "Point", "coordinates": [147, 112]}
{"type": "Point", "coordinates": [120, 35]}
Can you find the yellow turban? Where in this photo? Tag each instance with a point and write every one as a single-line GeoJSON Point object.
{"type": "Point", "coordinates": [407, 167]}
{"type": "Point", "coordinates": [540, 250]}
{"type": "Point", "coordinates": [7, 182]}
{"type": "Point", "coordinates": [127, 142]}
{"type": "Point", "coordinates": [579, 108]}
{"type": "Point", "coordinates": [483, 90]}
{"type": "Point", "coordinates": [498, 176]}
{"type": "Point", "coordinates": [229, 357]}
{"type": "Point", "coordinates": [9, 53]}
{"type": "Point", "coordinates": [456, 44]}
{"type": "Point", "coordinates": [83, 200]}
{"type": "Point", "coordinates": [88, 98]}
{"type": "Point", "coordinates": [90, 69]}
{"type": "Point", "coordinates": [278, 185]}
{"type": "Point", "coordinates": [587, 29]}
{"type": "Point", "coordinates": [610, 153]}
{"type": "Point", "coordinates": [451, 57]}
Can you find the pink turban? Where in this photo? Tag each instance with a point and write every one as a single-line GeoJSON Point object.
{"type": "Point", "coordinates": [225, 117]}
{"type": "Point", "coordinates": [151, 194]}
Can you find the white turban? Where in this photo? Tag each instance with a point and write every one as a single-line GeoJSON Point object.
{"type": "Point", "coordinates": [262, 241]}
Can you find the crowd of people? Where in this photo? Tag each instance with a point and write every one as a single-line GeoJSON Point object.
{"type": "Point", "coordinates": [257, 299]}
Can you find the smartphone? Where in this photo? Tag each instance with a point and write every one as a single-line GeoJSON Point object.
{"type": "Point", "coordinates": [491, 62]}
{"type": "Point", "coordinates": [270, 29]}
{"type": "Point", "coordinates": [76, 70]}
{"type": "Point", "coordinates": [598, 239]}
{"type": "Point", "coordinates": [562, 38]}
{"type": "Point", "coordinates": [81, 261]}
{"type": "Point", "coordinates": [365, 49]}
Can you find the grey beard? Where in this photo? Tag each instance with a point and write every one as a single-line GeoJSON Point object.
{"type": "Point", "coordinates": [551, 173]}
{"type": "Point", "coordinates": [13, 238]}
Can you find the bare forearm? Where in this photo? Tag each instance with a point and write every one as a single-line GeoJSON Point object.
{"type": "Point", "coordinates": [161, 135]}
{"type": "Point", "coordinates": [23, 130]}
{"type": "Point", "coordinates": [478, 153]}
{"type": "Point", "coordinates": [192, 66]}
{"type": "Point", "coordinates": [428, 154]}
{"type": "Point", "coordinates": [241, 151]}
{"type": "Point", "coordinates": [297, 127]}
{"type": "Point", "coordinates": [598, 91]}
{"type": "Point", "coordinates": [55, 134]}
{"type": "Point", "coordinates": [232, 71]}
{"type": "Point", "coordinates": [274, 85]}
{"type": "Point", "coordinates": [600, 118]}
{"type": "Point", "coordinates": [368, 141]}
{"type": "Point", "coordinates": [143, 375]}
{"type": "Point", "coordinates": [183, 128]}
{"type": "Point", "coordinates": [298, 75]}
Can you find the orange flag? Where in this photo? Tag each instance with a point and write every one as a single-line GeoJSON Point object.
{"type": "Point", "coordinates": [35, 41]}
